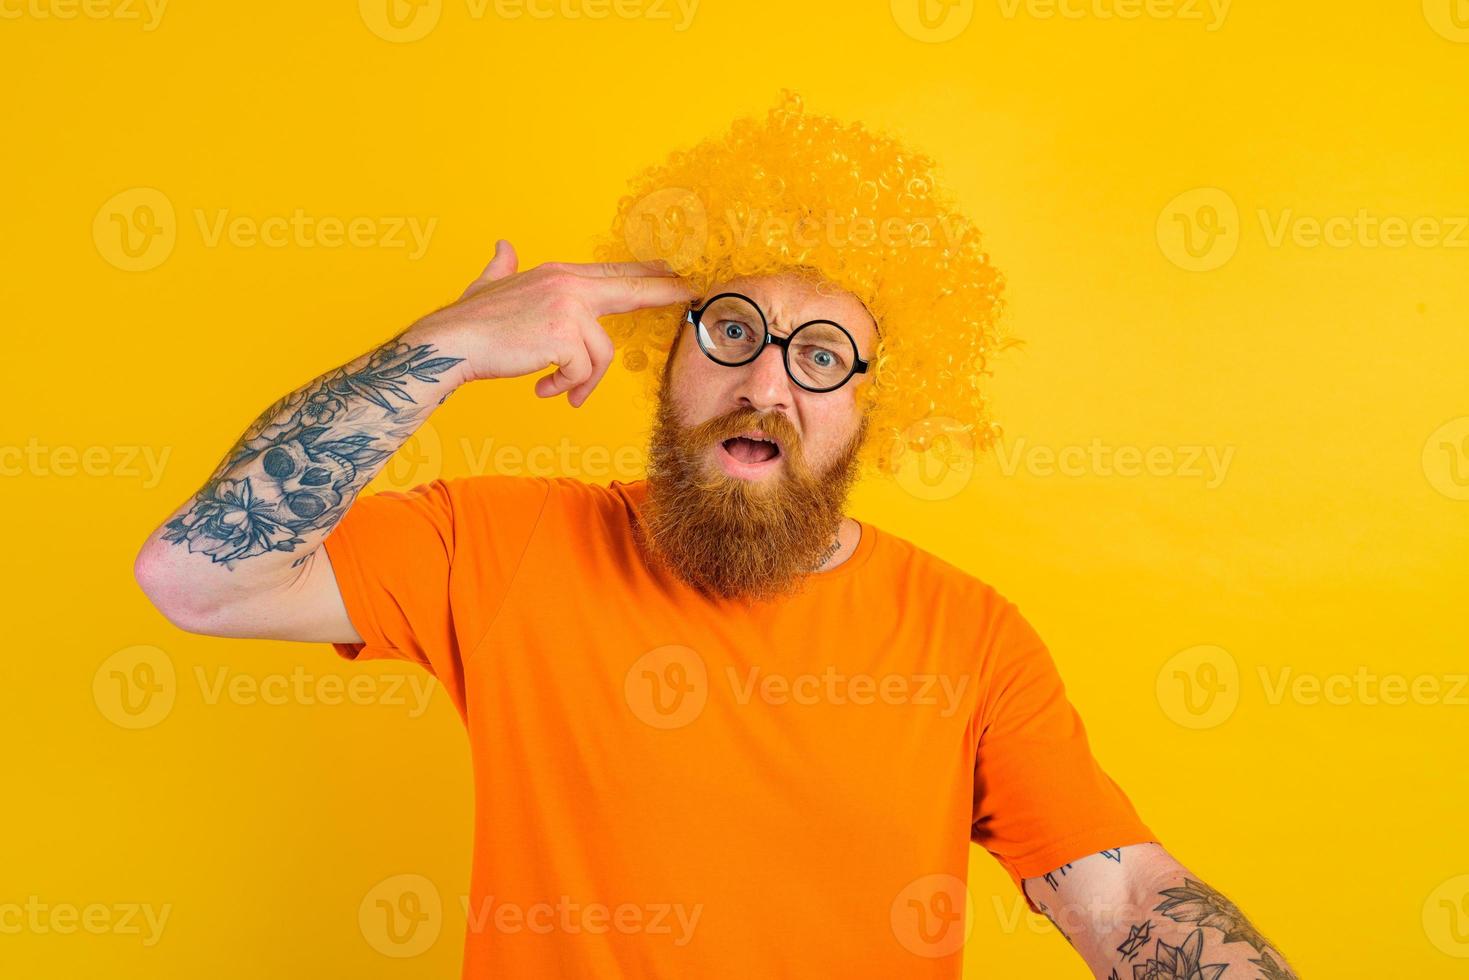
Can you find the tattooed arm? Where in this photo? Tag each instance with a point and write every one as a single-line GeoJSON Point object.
{"type": "Point", "coordinates": [242, 557]}
{"type": "Point", "coordinates": [1134, 913]}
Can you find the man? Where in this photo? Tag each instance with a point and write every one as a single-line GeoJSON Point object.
{"type": "Point", "coordinates": [719, 728]}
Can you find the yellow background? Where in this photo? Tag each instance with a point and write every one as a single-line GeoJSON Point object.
{"type": "Point", "coordinates": [1333, 544]}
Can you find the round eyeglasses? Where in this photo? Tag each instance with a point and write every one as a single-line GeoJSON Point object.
{"type": "Point", "coordinates": [819, 355]}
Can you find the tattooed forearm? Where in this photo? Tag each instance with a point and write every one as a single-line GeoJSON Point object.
{"type": "Point", "coordinates": [1186, 960]}
{"type": "Point", "coordinates": [298, 467]}
{"type": "Point", "coordinates": [1196, 902]}
{"type": "Point", "coordinates": [1133, 913]}
{"type": "Point", "coordinates": [1053, 878]}
{"type": "Point", "coordinates": [1137, 939]}
{"type": "Point", "coordinates": [1046, 911]}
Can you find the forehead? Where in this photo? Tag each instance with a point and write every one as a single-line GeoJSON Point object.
{"type": "Point", "coordinates": [789, 299]}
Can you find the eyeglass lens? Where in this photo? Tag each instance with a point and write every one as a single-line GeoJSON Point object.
{"type": "Point", "coordinates": [820, 355]}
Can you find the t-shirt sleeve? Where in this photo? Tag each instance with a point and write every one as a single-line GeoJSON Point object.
{"type": "Point", "coordinates": [1041, 800]}
{"type": "Point", "coordinates": [422, 573]}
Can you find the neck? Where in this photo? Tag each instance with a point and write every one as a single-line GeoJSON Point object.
{"type": "Point", "coordinates": [826, 556]}
{"type": "Point", "coordinates": [841, 547]}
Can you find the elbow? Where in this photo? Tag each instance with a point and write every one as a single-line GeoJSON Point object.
{"type": "Point", "coordinates": [169, 589]}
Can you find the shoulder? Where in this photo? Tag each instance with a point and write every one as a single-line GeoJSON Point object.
{"type": "Point", "coordinates": [516, 495]}
{"type": "Point", "coordinates": [993, 625]}
{"type": "Point", "coordinates": [935, 577]}
{"type": "Point", "coordinates": [492, 489]}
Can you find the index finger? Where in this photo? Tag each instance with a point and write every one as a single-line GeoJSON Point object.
{"type": "Point", "coordinates": [605, 270]}
{"type": "Point", "coordinates": [625, 293]}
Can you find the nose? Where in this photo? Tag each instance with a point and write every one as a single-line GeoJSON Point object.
{"type": "Point", "coordinates": [764, 384]}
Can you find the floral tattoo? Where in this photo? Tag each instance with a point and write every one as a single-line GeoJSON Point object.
{"type": "Point", "coordinates": [298, 467]}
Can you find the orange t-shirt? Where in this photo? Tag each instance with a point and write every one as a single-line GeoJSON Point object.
{"type": "Point", "coordinates": [672, 786]}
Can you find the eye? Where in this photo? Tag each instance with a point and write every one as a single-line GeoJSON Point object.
{"type": "Point", "coordinates": [822, 357]}
{"type": "Point", "coordinates": [733, 329]}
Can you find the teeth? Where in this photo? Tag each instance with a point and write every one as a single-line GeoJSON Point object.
{"type": "Point", "coordinates": [753, 438]}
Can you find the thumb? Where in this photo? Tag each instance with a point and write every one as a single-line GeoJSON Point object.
{"type": "Point", "coordinates": [501, 266]}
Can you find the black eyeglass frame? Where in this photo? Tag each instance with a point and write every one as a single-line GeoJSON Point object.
{"type": "Point", "coordinates": [695, 314]}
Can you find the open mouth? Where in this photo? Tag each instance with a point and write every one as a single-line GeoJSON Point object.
{"type": "Point", "coordinates": [751, 450]}
{"type": "Point", "coordinates": [751, 455]}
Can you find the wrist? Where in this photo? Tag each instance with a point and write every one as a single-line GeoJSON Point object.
{"type": "Point", "coordinates": [444, 340]}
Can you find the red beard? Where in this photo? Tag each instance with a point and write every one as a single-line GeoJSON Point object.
{"type": "Point", "coordinates": [733, 538]}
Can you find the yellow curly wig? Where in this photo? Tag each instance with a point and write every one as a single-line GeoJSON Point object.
{"type": "Point", "coordinates": [805, 193]}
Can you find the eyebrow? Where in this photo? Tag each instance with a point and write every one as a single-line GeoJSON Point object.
{"type": "Point", "coordinates": [876, 324]}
